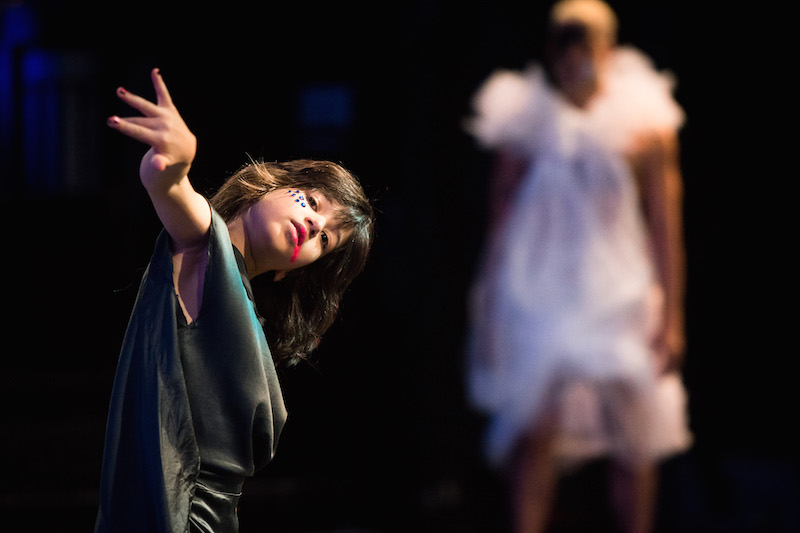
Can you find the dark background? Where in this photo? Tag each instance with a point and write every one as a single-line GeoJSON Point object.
{"type": "Point", "coordinates": [380, 436]}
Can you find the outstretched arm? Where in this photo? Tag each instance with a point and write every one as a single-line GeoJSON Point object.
{"type": "Point", "coordinates": [164, 168]}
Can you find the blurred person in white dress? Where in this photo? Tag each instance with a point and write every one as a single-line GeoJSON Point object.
{"type": "Point", "coordinates": [577, 309]}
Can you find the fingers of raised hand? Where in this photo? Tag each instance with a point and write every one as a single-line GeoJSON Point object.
{"type": "Point", "coordinates": [157, 116]}
{"type": "Point", "coordinates": [160, 126]}
{"type": "Point", "coordinates": [144, 106]}
{"type": "Point", "coordinates": [162, 94]}
{"type": "Point", "coordinates": [139, 128]}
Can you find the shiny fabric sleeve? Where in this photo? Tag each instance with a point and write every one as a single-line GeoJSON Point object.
{"type": "Point", "coordinates": [195, 408]}
{"type": "Point", "coordinates": [151, 457]}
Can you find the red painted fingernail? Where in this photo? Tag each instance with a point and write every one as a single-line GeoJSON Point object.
{"type": "Point", "coordinates": [113, 121]}
{"type": "Point", "coordinates": [121, 91]}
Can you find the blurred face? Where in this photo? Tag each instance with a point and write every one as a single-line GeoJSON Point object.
{"type": "Point", "coordinates": [290, 228]}
{"type": "Point", "coordinates": [577, 67]}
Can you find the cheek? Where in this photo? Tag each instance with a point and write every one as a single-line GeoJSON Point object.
{"type": "Point", "coordinates": [269, 239]}
{"type": "Point", "coordinates": [269, 244]}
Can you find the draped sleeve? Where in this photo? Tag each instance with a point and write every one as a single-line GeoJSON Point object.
{"type": "Point", "coordinates": [190, 403]}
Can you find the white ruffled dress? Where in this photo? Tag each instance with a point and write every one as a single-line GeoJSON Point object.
{"type": "Point", "coordinates": [566, 301]}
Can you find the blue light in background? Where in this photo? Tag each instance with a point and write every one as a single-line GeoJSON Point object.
{"type": "Point", "coordinates": [325, 117]}
{"type": "Point", "coordinates": [49, 115]}
{"type": "Point", "coordinates": [18, 29]}
{"type": "Point", "coordinates": [326, 105]}
{"type": "Point", "coordinates": [42, 119]}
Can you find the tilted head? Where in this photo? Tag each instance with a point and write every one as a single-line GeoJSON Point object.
{"type": "Point", "coordinates": [304, 303]}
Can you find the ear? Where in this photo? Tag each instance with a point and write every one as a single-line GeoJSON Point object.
{"type": "Point", "coordinates": [279, 275]}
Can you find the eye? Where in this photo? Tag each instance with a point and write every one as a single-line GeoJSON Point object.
{"type": "Point", "coordinates": [325, 239]}
{"type": "Point", "coordinates": [312, 201]}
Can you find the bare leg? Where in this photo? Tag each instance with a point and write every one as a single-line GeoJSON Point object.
{"type": "Point", "coordinates": [633, 477]}
{"type": "Point", "coordinates": [535, 481]}
{"type": "Point", "coordinates": [633, 495]}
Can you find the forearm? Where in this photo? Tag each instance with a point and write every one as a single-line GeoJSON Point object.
{"type": "Point", "coordinates": [662, 190]}
{"type": "Point", "coordinates": [669, 253]}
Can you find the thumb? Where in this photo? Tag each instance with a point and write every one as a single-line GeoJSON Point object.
{"type": "Point", "coordinates": [159, 162]}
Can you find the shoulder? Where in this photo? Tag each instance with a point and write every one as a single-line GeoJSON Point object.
{"type": "Point", "coordinates": [215, 241]}
{"type": "Point", "coordinates": [656, 144]}
{"type": "Point", "coordinates": [509, 107]}
{"type": "Point", "coordinates": [638, 95]}
{"type": "Point", "coordinates": [654, 157]}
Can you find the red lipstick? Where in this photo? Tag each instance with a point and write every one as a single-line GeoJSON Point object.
{"type": "Point", "coordinates": [299, 240]}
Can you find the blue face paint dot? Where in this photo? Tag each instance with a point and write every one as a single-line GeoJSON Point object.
{"type": "Point", "coordinates": [303, 204]}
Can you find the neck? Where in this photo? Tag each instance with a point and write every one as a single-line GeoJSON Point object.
{"type": "Point", "coordinates": [579, 99]}
{"type": "Point", "coordinates": [239, 240]}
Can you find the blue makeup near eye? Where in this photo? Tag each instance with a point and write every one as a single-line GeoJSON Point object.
{"type": "Point", "coordinates": [300, 198]}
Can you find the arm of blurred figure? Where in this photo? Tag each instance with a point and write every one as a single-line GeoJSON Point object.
{"type": "Point", "coordinates": [661, 187]}
{"type": "Point", "coordinates": [507, 172]}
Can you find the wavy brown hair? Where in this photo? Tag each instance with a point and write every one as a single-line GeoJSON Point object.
{"type": "Point", "coordinates": [304, 304]}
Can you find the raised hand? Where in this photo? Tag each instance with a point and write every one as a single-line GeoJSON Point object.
{"type": "Point", "coordinates": [165, 167]}
{"type": "Point", "coordinates": [172, 144]}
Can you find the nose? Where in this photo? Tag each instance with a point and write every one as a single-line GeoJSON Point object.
{"type": "Point", "coordinates": [316, 223]}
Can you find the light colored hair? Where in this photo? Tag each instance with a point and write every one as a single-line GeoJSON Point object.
{"type": "Point", "coordinates": [596, 16]}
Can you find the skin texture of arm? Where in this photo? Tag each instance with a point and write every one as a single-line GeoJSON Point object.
{"type": "Point", "coordinates": [656, 165]}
